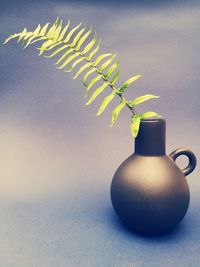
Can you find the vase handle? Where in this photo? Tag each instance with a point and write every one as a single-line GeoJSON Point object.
{"type": "Point", "coordinates": [192, 159]}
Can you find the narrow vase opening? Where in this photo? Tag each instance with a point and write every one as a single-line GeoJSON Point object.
{"type": "Point", "coordinates": [151, 137]}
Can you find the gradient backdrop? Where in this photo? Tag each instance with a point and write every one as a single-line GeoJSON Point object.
{"type": "Point", "coordinates": [57, 159]}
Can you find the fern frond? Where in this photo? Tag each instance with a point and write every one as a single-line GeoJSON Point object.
{"type": "Point", "coordinates": [75, 46]}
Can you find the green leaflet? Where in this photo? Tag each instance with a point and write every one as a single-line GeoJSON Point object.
{"type": "Point", "coordinates": [37, 30]}
{"type": "Point", "coordinates": [74, 64]}
{"type": "Point", "coordinates": [105, 102]}
{"type": "Point", "coordinates": [12, 36]}
{"type": "Point", "coordinates": [22, 35]}
{"type": "Point", "coordinates": [93, 81]}
{"type": "Point", "coordinates": [135, 124]}
{"type": "Point", "coordinates": [25, 37]}
{"type": "Point", "coordinates": [64, 55]}
{"type": "Point", "coordinates": [95, 50]}
{"type": "Point", "coordinates": [149, 114]}
{"type": "Point", "coordinates": [100, 58]}
{"type": "Point", "coordinates": [141, 99]}
{"type": "Point", "coordinates": [68, 60]}
{"type": "Point", "coordinates": [90, 44]}
{"type": "Point", "coordinates": [111, 69]}
{"type": "Point", "coordinates": [46, 44]}
{"type": "Point", "coordinates": [97, 92]}
{"type": "Point", "coordinates": [64, 31]}
{"type": "Point", "coordinates": [44, 29]}
{"type": "Point", "coordinates": [115, 77]}
{"type": "Point", "coordinates": [86, 76]}
{"type": "Point", "coordinates": [56, 51]}
{"type": "Point", "coordinates": [116, 112]}
{"type": "Point", "coordinates": [69, 35]}
{"type": "Point", "coordinates": [53, 45]}
{"type": "Point", "coordinates": [35, 34]}
{"type": "Point", "coordinates": [77, 37]}
{"type": "Point", "coordinates": [87, 65]}
{"type": "Point", "coordinates": [107, 62]}
{"type": "Point", "coordinates": [57, 31]}
{"type": "Point", "coordinates": [39, 39]}
{"type": "Point", "coordinates": [82, 40]}
{"type": "Point", "coordinates": [52, 29]}
{"type": "Point", "coordinates": [128, 82]}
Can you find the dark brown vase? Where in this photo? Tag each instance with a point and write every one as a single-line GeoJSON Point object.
{"type": "Point", "coordinates": [149, 192]}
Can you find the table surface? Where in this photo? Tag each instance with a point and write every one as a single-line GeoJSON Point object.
{"type": "Point", "coordinates": [57, 159]}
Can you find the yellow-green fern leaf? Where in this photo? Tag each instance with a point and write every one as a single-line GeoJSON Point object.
{"type": "Point", "coordinates": [25, 38]}
{"type": "Point", "coordinates": [70, 50]}
{"type": "Point", "coordinates": [22, 35]}
{"type": "Point", "coordinates": [93, 81]}
{"type": "Point", "coordinates": [82, 40]}
{"type": "Point", "coordinates": [90, 44]}
{"type": "Point", "coordinates": [69, 35]}
{"type": "Point", "coordinates": [105, 102]}
{"type": "Point", "coordinates": [74, 64]}
{"type": "Point", "coordinates": [107, 63]}
{"type": "Point", "coordinates": [57, 32]}
{"type": "Point", "coordinates": [77, 37]}
{"type": "Point", "coordinates": [141, 99]}
{"type": "Point", "coordinates": [34, 35]}
{"type": "Point", "coordinates": [62, 34]}
{"type": "Point", "coordinates": [44, 29]}
{"type": "Point", "coordinates": [87, 65]}
{"type": "Point", "coordinates": [149, 114]}
{"type": "Point", "coordinates": [52, 29]}
{"type": "Point", "coordinates": [56, 51]}
{"type": "Point", "coordinates": [116, 112]}
{"type": "Point", "coordinates": [93, 53]}
{"type": "Point", "coordinates": [115, 77]}
{"type": "Point", "coordinates": [55, 43]}
{"type": "Point", "coordinates": [100, 58]}
{"type": "Point", "coordinates": [135, 125]}
{"type": "Point", "coordinates": [68, 60]}
{"type": "Point", "coordinates": [111, 69]}
{"type": "Point", "coordinates": [39, 39]}
{"type": "Point", "coordinates": [86, 76]}
{"type": "Point", "coordinates": [11, 36]}
{"type": "Point", "coordinates": [45, 45]}
{"type": "Point", "coordinates": [128, 82]}
{"type": "Point", "coordinates": [97, 92]}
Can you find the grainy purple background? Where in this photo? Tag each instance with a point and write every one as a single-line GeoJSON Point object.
{"type": "Point", "coordinates": [57, 159]}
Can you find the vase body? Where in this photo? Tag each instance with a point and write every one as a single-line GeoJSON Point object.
{"type": "Point", "coordinates": [149, 192]}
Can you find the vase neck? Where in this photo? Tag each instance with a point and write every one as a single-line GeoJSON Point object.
{"type": "Point", "coordinates": [151, 137]}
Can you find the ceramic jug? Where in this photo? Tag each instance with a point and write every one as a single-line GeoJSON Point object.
{"type": "Point", "coordinates": [149, 192]}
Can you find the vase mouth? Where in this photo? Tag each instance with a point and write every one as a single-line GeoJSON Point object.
{"type": "Point", "coordinates": [153, 120]}
{"type": "Point", "coordinates": [151, 137]}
